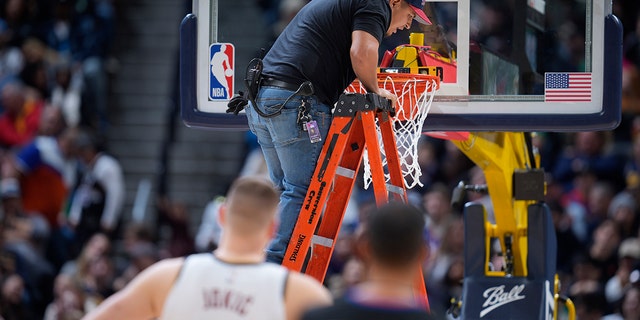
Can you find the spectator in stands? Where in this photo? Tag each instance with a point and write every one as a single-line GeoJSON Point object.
{"type": "Point", "coordinates": [12, 299]}
{"type": "Point", "coordinates": [599, 198]}
{"type": "Point", "coordinates": [82, 36]}
{"type": "Point", "coordinates": [589, 153]}
{"type": "Point", "coordinates": [632, 165]}
{"type": "Point", "coordinates": [590, 305]}
{"type": "Point", "coordinates": [428, 159]}
{"type": "Point", "coordinates": [443, 276]}
{"type": "Point", "coordinates": [96, 280]}
{"type": "Point", "coordinates": [138, 252]}
{"type": "Point", "coordinates": [20, 121]}
{"type": "Point", "coordinates": [51, 122]}
{"type": "Point", "coordinates": [454, 165]}
{"type": "Point", "coordinates": [586, 276]}
{"type": "Point", "coordinates": [11, 58]}
{"type": "Point", "coordinates": [604, 248]}
{"type": "Point", "coordinates": [23, 241]}
{"type": "Point", "coordinates": [175, 213]}
{"type": "Point", "coordinates": [623, 210]}
{"type": "Point", "coordinates": [96, 205]}
{"type": "Point", "coordinates": [140, 256]}
{"type": "Point", "coordinates": [631, 303]}
{"type": "Point", "coordinates": [35, 77]}
{"type": "Point", "coordinates": [68, 302]}
{"type": "Point", "coordinates": [437, 205]}
{"type": "Point", "coordinates": [67, 93]}
{"type": "Point", "coordinates": [37, 179]}
{"type": "Point", "coordinates": [209, 231]}
{"type": "Point", "coordinates": [99, 244]}
{"type": "Point", "coordinates": [628, 259]}
{"type": "Point", "coordinates": [16, 15]}
{"type": "Point", "coordinates": [568, 243]}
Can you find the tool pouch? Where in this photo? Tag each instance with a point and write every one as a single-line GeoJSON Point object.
{"type": "Point", "coordinates": [252, 83]}
{"type": "Point", "coordinates": [252, 78]}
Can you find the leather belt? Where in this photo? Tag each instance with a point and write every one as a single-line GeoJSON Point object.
{"type": "Point", "coordinates": [280, 84]}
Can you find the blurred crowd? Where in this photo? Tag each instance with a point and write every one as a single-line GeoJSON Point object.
{"type": "Point", "coordinates": [64, 247]}
{"type": "Point", "coordinates": [61, 194]}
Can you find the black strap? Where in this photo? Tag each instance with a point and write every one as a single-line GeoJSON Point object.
{"type": "Point", "coordinates": [270, 82]}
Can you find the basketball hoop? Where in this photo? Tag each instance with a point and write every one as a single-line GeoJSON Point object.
{"type": "Point", "coordinates": [415, 94]}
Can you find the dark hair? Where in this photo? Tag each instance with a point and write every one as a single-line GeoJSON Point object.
{"type": "Point", "coordinates": [394, 233]}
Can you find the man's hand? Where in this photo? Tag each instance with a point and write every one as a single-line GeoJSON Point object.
{"type": "Point", "coordinates": [387, 94]}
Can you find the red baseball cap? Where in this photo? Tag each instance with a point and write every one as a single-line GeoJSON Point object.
{"type": "Point", "coordinates": [417, 6]}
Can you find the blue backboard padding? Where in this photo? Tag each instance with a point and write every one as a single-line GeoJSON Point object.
{"type": "Point", "coordinates": [607, 119]}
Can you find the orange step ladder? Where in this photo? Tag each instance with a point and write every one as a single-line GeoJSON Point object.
{"type": "Point", "coordinates": [352, 130]}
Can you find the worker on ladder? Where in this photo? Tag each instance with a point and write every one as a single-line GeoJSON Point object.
{"type": "Point", "coordinates": [293, 89]}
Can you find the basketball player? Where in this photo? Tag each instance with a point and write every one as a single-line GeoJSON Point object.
{"type": "Point", "coordinates": [328, 43]}
{"type": "Point", "coordinates": [392, 247]}
{"type": "Point", "coordinates": [231, 283]}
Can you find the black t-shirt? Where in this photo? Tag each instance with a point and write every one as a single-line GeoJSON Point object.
{"type": "Point", "coordinates": [344, 309]}
{"type": "Point", "coordinates": [315, 45]}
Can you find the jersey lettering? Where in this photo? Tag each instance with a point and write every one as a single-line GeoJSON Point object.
{"type": "Point", "coordinates": [217, 298]}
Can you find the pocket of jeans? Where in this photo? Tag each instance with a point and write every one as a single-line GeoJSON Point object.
{"type": "Point", "coordinates": [284, 127]}
{"type": "Point", "coordinates": [322, 115]}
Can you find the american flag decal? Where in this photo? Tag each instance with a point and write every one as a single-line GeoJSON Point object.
{"type": "Point", "coordinates": [567, 87]}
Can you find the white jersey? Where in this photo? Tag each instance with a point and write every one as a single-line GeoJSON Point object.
{"type": "Point", "coordinates": [207, 288]}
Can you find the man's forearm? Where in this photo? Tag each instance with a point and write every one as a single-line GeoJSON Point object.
{"type": "Point", "coordinates": [364, 59]}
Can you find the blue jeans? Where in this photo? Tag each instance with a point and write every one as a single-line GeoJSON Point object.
{"type": "Point", "coordinates": [290, 156]}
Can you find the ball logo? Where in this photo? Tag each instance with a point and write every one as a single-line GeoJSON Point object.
{"type": "Point", "coordinates": [221, 66]}
{"type": "Point", "coordinates": [496, 297]}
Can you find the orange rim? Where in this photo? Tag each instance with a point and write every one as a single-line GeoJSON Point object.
{"type": "Point", "coordinates": [408, 93]}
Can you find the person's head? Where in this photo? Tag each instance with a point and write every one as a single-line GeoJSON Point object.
{"type": "Point", "coordinates": [622, 210]}
{"type": "Point", "coordinates": [631, 303]}
{"type": "Point", "coordinates": [403, 12]}
{"type": "Point", "coordinates": [599, 199]}
{"type": "Point", "coordinates": [590, 143]}
{"type": "Point", "coordinates": [13, 98]}
{"type": "Point", "coordinates": [437, 202]}
{"type": "Point", "coordinates": [393, 236]}
{"type": "Point", "coordinates": [87, 145]}
{"type": "Point", "coordinates": [99, 244]}
{"type": "Point", "coordinates": [250, 207]}
{"type": "Point", "coordinates": [51, 121]}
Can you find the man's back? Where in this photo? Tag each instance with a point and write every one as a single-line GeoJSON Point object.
{"type": "Point", "coordinates": [209, 287]}
{"type": "Point", "coordinates": [315, 46]}
{"type": "Point", "coordinates": [346, 309]}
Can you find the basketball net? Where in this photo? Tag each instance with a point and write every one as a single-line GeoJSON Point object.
{"type": "Point", "coordinates": [415, 95]}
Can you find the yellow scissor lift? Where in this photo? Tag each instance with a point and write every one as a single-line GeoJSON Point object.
{"type": "Point", "coordinates": [526, 287]}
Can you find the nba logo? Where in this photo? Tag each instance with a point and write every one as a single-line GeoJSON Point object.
{"type": "Point", "coordinates": [221, 66]}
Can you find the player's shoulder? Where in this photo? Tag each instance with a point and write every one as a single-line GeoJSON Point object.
{"type": "Point", "coordinates": [300, 282]}
{"type": "Point", "coordinates": [165, 267]}
{"type": "Point", "coordinates": [301, 279]}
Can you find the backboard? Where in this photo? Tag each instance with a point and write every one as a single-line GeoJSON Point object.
{"type": "Point", "coordinates": [535, 65]}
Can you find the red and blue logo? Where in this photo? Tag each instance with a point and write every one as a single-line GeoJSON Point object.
{"type": "Point", "coordinates": [221, 71]}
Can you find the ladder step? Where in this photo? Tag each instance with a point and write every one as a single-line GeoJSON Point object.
{"type": "Point", "coordinates": [395, 189]}
{"type": "Point", "coordinates": [345, 172]}
{"type": "Point", "coordinates": [323, 241]}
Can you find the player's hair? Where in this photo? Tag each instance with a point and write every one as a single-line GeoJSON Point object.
{"type": "Point", "coordinates": [252, 201]}
{"type": "Point", "coordinates": [394, 234]}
